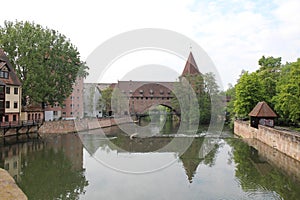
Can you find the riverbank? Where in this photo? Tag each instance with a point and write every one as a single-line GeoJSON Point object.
{"type": "Point", "coordinates": [73, 126]}
{"type": "Point", "coordinates": [284, 141]}
{"type": "Point", "coordinates": [8, 187]}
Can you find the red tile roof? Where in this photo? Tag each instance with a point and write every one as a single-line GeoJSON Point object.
{"type": "Point", "coordinates": [190, 66]}
{"type": "Point", "coordinates": [262, 109]}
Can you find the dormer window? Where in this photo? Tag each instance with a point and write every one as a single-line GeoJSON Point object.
{"type": "Point", "coordinates": [4, 74]}
{"type": "Point", "coordinates": [141, 91]}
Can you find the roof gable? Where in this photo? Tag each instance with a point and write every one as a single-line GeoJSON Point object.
{"type": "Point", "coordinates": [190, 66]}
{"type": "Point", "coordinates": [5, 65]}
{"type": "Point", "coordinates": [262, 109]}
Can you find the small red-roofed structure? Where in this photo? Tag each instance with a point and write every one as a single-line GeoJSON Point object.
{"type": "Point", "coordinates": [262, 114]}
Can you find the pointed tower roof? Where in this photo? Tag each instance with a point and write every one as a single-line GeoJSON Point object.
{"type": "Point", "coordinates": [262, 109]}
{"type": "Point", "coordinates": [190, 66]}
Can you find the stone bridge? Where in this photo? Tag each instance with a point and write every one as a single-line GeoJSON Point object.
{"type": "Point", "coordinates": [143, 96]}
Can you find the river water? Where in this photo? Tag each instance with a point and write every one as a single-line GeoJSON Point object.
{"type": "Point", "coordinates": [92, 166]}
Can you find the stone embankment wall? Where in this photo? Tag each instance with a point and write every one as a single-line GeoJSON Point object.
{"type": "Point", "coordinates": [284, 141]}
{"type": "Point", "coordinates": [8, 187]}
{"type": "Point", "coordinates": [72, 126]}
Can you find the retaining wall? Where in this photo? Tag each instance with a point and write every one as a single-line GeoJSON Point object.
{"type": "Point", "coordinates": [284, 141]}
{"type": "Point", "coordinates": [72, 126]}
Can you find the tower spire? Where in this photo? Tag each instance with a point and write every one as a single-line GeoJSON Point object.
{"type": "Point", "coordinates": [190, 66]}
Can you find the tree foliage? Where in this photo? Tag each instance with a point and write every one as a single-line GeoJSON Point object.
{"type": "Point", "coordinates": [46, 62]}
{"type": "Point", "coordinates": [277, 84]}
{"type": "Point", "coordinates": [268, 73]}
{"type": "Point", "coordinates": [106, 99]}
{"type": "Point", "coordinates": [287, 100]}
{"type": "Point", "coordinates": [248, 94]}
{"type": "Point", "coordinates": [206, 92]}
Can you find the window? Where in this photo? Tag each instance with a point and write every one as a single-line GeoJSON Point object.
{"type": "Point", "coordinates": [1, 89]}
{"type": "Point", "coordinates": [64, 113]}
{"type": "Point", "coordinates": [71, 113]}
{"type": "Point", "coordinates": [14, 118]}
{"type": "Point", "coordinates": [55, 113]}
{"type": "Point", "coordinates": [71, 105]}
{"type": "Point", "coordinates": [15, 104]}
{"type": "Point", "coordinates": [1, 104]}
{"type": "Point", "coordinates": [6, 167]}
{"type": "Point", "coordinates": [15, 165]}
{"type": "Point", "coordinates": [7, 90]}
{"type": "Point", "coordinates": [7, 104]}
{"type": "Point", "coordinates": [3, 74]}
{"type": "Point", "coordinates": [16, 90]}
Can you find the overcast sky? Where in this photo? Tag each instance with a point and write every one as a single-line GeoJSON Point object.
{"type": "Point", "coordinates": [234, 33]}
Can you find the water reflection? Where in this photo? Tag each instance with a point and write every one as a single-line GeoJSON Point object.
{"type": "Point", "coordinates": [46, 169]}
{"type": "Point", "coordinates": [66, 167]}
{"type": "Point", "coordinates": [262, 168]}
{"type": "Point", "coordinates": [214, 168]}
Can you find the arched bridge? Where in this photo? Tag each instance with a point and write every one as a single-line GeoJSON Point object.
{"type": "Point", "coordinates": [143, 96]}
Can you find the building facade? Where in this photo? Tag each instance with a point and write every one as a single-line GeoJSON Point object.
{"type": "Point", "coordinates": [72, 107]}
{"type": "Point", "coordinates": [10, 91]}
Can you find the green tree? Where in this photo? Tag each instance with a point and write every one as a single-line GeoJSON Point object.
{"type": "Point", "coordinates": [268, 73]}
{"type": "Point", "coordinates": [186, 93]}
{"type": "Point", "coordinates": [45, 60]}
{"type": "Point", "coordinates": [206, 92]}
{"type": "Point", "coordinates": [106, 99]}
{"type": "Point", "coordinates": [287, 100]}
{"type": "Point", "coordinates": [211, 101]}
{"type": "Point", "coordinates": [248, 93]}
{"type": "Point", "coordinates": [230, 95]}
